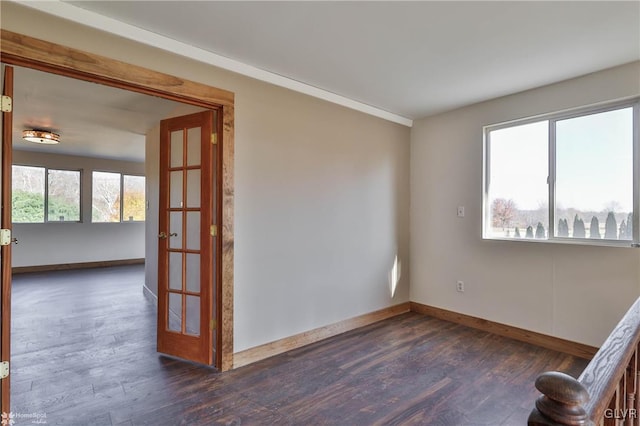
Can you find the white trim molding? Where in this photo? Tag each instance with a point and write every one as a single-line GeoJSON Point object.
{"type": "Point", "coordinates": [112, 26]}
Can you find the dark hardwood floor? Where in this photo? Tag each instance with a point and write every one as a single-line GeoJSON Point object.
{"type": "Point", "coordinates": [84, 354]}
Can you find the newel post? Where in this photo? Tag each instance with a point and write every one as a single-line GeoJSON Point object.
{"type": "Point", "coordinates": [561, 403]}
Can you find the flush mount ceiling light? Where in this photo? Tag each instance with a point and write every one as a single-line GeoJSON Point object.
{"type": "Point", "coordinates": [41, 136]}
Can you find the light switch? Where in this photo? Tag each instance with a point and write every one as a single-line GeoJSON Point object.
{"type": "Point", "coordinates": [460, 211]}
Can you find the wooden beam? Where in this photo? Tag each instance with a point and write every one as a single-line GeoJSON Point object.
{"type": "Point", "coordinates": [226, 203]}
{"type": "Point", "coordinates": [39, 54]}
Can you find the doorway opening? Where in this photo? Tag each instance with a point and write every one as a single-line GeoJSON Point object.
{"type": "Point", "coordinates": [196, 95]}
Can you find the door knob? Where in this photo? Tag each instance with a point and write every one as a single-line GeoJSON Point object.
{"type": "Point", "coordinates": [163, 235]}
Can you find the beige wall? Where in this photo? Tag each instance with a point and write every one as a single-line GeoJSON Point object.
{"type": "Point", "coordinates": [58, 243]}
{"type": "Point", "coordinates": [322, 207]}
{"type": "Point", "coordinates": [322, 193]}
{"type": "Point", "coordinates": [322, 198]}
{"type": "Point", "coordinates": [573, 292]}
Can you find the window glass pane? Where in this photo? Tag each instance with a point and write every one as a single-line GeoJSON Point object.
{"type": "Point", "coordinates": [134, 198]}
{"type": "Point", "coordinates": [177, 147]}
{"type": "Point", "coordinates": [175, 312]}
{"type": "Point", "coordinates": [193, 146]}
{"type": "Point", "coordinates": [105, 200]}
{"type": "Point", "coordinates": [27, 201]}
{"type": "Point", "coordinates": [175, 271]}
{"type": "Point", "coordinates": [63, 200]}
{"type": "Point", "coordinates": [175, 227]}
{"type": "Point", "coordinates": [193, 230]}
{"type": "Point", "coordinates": [193, 273]}
{"type": "Point", "coordinates": [193, 188]}
{"type": "Point", "coordinates": [594, 176]}
{"type": "Point", "coordinates": [193, 315]}
{"type": "Point", "coordinates": [517, 204]}
{"type": "Point", "coordinates": [175, 189]}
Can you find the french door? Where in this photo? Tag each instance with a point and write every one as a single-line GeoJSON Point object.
{"type": "Point", "coordinates": [187, 237]}
{"type": "Point", "coordinates": [5, 223]}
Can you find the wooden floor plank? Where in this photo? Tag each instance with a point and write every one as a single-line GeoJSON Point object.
{"type": "Point", "coordinates": [84, 354]}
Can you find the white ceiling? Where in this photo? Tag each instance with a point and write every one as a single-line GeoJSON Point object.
{"type": "Point", "coordinates": [412, 59]}
{"type": "Point", "coordinates": [396, 60]}
{"type": "Point", "coordinates": [93, 120]}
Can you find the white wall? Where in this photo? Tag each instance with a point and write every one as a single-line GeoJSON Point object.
{"type": "Point", "coordinates": [573, 292]}
{"type": "Point", "coordinates": [58, 243]}
{"type": "Point", "coordinates": [152, 173]}
{"type": "Point", "coordinates": [321, 193]}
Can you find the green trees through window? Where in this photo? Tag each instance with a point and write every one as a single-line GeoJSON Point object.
{"type": "Point", "coordinates": [40, 195]}
{"type": "Point", "coordinates": [63, 195]}
{"type": "Point", "coordinates": [38, 200]}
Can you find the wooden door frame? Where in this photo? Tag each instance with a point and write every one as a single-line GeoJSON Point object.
{"type": "Point", "coordinates": [5, 223]}
{"type": "Point", "coordinates": [21, 50]}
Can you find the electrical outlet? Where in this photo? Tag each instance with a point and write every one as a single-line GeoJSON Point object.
{"type": "Point", "coordinates": [460, 211]}
{"type": "Point", "coordinates": [460, 286]}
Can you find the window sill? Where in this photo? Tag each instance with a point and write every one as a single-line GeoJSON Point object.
{"type": "Point", "coordinates": [579, 242]}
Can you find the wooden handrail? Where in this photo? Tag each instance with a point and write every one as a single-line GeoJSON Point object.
{"type": "Point", "coordinates": [606, 391]}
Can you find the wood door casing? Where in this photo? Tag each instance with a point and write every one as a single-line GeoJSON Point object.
{"type": "Point", "coordinates": [5, 223]}
{"type": "Point", "coordinates": [177, 242]}
{"type": "Point", "coordinates": [22, 50]}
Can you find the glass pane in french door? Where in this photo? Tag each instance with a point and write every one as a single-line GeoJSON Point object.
{"type": "Point", "coordinates": [185, 264]}
{"type": "Point", "coordinates": [175, 312]}
{"type": "Point", "coordinates": [193, 315]}
{"type": "Point", "coordinates": [184, 231]}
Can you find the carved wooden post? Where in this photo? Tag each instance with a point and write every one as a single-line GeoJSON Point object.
{"type": "Point", "coordinates": [632, 390]}
{"type": "Point", "coordinates": [631, 403]}
{"type": "Point", "coordinates": [628, 394]}
{"type": "Point", "coordinates": [636, 405]}
{"type": "Point", "coordinates": [561, 403]}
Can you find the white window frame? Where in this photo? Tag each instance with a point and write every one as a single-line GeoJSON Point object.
{"type": "Point", "coordinates": [552, 118]}
{"type": "Point", "coordinates": [46, 194]}
{"type": "Point", "coordinates": [122, 175]}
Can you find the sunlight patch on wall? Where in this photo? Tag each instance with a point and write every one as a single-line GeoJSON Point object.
{"type": "Point", "coordinates": [394, 275]}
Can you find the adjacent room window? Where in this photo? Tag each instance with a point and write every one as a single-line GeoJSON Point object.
{"type": "Point", "coordinates": [117, 197]}
{"type": "Point", "coordinates": [133, 208]}
{"type": "Point", "coordinates": [105, 200]}
{"type": "Point", "coordinates": [565, 177]}
{"type": "Point", "coordinates": [40, 194]}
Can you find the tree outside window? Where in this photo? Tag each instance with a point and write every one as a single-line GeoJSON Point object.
{"type": "Point", "coordinates": [38, 200]}
{"type": "Point", "coordinates": [109, 189]}
{"type": "Point", "coordinates": [564, 177]}
{"type": "Point", "coordinates": [133, 188]}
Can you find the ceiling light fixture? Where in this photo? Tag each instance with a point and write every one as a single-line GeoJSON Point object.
{"type": "Point", "coordinates": [41, 136]}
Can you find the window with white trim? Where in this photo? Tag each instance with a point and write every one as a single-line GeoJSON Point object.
{"type": "Point", "coordinates": [108, 189]}
{"type": "Point", "coordinates": [40, 195]}
{"type": "Point", "coordinates": [565, 177]}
